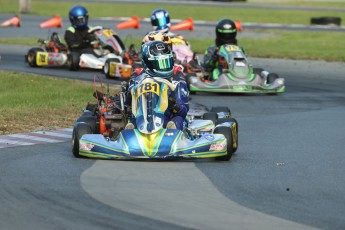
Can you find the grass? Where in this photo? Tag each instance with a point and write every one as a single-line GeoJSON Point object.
{"type": "Point", "coordinates": [32, 102]}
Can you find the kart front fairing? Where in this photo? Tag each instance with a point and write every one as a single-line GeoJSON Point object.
{"type": "Point", "coordinates": [149, 139]}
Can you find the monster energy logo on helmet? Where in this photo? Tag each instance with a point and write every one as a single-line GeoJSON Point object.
{"type": "Point", "coordinates": [227, 28]}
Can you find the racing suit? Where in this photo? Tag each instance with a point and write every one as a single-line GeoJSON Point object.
{"type": "Point", "coordinates": [79, 40]}
{"type": "Point", "coordinates": [178, 99]}
{"type": "Point", "coordinates": [210, 58]}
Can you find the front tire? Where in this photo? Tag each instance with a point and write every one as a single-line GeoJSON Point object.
{"type": "Point", "coordinates": [234, 130]}
{"type": "Point", "coordinates": [226, 131]}
{"type": "Point", "coordinates": [79, 130]}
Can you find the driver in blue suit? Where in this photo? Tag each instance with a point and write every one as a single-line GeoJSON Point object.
{"type": "Point", "coordinates": [158, 61]}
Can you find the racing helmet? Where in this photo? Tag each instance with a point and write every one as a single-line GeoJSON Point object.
{"type": "Point", "coordinates": [226, 32]}
{"type": "Point", "coordinates": [157, 59]}
{"type": "Point", "coordinates": [157, 36]}
{"type": "Point", "coordinates": [78, 16]}
{"type": "Point", "coordinates": [160, 20]}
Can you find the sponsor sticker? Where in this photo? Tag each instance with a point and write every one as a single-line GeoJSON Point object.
{"type": "Point", "coordinates": [217, 146]}
{"type": "Point", "coordinates": [85, 146]}
{"type": "Point", "coordinates": [209, 137]}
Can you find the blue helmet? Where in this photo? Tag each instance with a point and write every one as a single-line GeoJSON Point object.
{"type": "Point", "coordinates": [157, 59]}
{"type": "Point", "coordinates": [160, 20]}
{"type": "Point", "coordinates": [78, 17]}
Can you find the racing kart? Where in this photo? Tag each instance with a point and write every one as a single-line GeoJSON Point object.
{"type": "Point", "coordinates": [214, 136]}
{"type": "Point", "coordinates": [235, 74]}
{"type": "Point", "coordinates": [107, 45]}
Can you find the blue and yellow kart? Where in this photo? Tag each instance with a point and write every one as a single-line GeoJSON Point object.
{"type": "Point", "coordinates": [214, 136]}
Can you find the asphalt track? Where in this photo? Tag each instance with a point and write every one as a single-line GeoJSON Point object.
{"type": "Point", "coordinates": [287, 173]}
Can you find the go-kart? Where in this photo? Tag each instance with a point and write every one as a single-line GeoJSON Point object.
{"type": "Point", "coordinates": [235, 73]}
{"type": "Point", "coordinates": [107, 45]}
{"type": "Point", "coordinates": [213, 137]}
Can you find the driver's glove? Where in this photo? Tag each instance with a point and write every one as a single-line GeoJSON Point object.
{"type": "Point", "coordinates": [89, 39]}
{"type": "Point", "coordinates": [173, 105]}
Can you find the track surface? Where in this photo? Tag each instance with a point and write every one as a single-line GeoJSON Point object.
{"type": "Point", "coordinates": [287, 173]}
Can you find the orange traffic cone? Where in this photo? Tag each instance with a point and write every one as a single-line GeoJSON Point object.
{"type": "Point", "coordinates": [238, 25]}
{"type": "Point", "coordinates": [187, 24]}
{"type": "Point", "coordinates": [131, 23]}
{"type": "Point", "coordinates": [56, 21]}
{"type": "Point", "coordinates": [15, 21]}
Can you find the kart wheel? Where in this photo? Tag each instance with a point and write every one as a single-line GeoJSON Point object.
{"type": "Point", "coordinates": [79, 130]}
{"type": "Point", "coordinates": [73, 61]}
{"type": "Point", "coordinates": [226, 131]}
{"type": "Point", "coordinates": [31, 57]}
{"type": "Point", "coordinates": [91, 121]}
{"type": "Point", "coordinates": [271, 77]}
{"type": "Point", "coordinates": [234, 130]}
{"type": "Point", "coordinates": [224, 109]}
{"type": "Point", "coordinates": [106, 67]}
{"type": "Point", "coordinates": [210, 116]}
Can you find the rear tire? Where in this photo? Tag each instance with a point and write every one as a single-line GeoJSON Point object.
{"type": "Point", "coordinates": [31, 57]}
{"type": "Point", "coordinates": [91, 121]}
{"type": "Point", "coordinates": [271, 77]}
{"type": "Point", "coordinates": [219, 109]}
{"type": "Point", "coordinates": [210, 116]}
{"type": "Point", "coordinates": [79, 130]}
{"type": "Point", "coordinates": [73, 60]}
{"type": "Point", "coordinates": [226, 131]}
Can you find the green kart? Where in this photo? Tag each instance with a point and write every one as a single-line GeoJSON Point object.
{"type": "Point", "coordinates": [235, 74]}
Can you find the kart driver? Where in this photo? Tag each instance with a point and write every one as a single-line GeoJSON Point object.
{"type": "Point", "coordinates": [226, 32]}
{"type": "Point", "coordinates": [160, 20]}
{"type": "Point", "coordinates": [77, 36]}
{"type": "Point", "coordinates": [158, 61]}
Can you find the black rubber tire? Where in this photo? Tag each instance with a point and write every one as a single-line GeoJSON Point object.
{"type": "Point", "coordinates": [326, 21]}
{"type": "Point", "coordinates": [271, 77]}
{"type": "Point", "coordinates": [31, 56]}
{"type": "Point", "coordinates": [218, 109]}
{"type": "Point", "coordinates": [79, 130]}
{"type": "Point", "coordinates": [226, 131]}
{"type": "Point", "coordinates": [91, 121]}
{"type": "Point", "coordinates": [107, 65]}
{"type": "Point", "coordinates": [210, 116]}
{"type": "Point", "coordinates": [235, 131]}
{"type": "Point", "coordinates": [73, 59]}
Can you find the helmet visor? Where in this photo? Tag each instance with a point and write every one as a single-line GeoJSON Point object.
{"type": "Point", "coordinates": [161, 63]}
